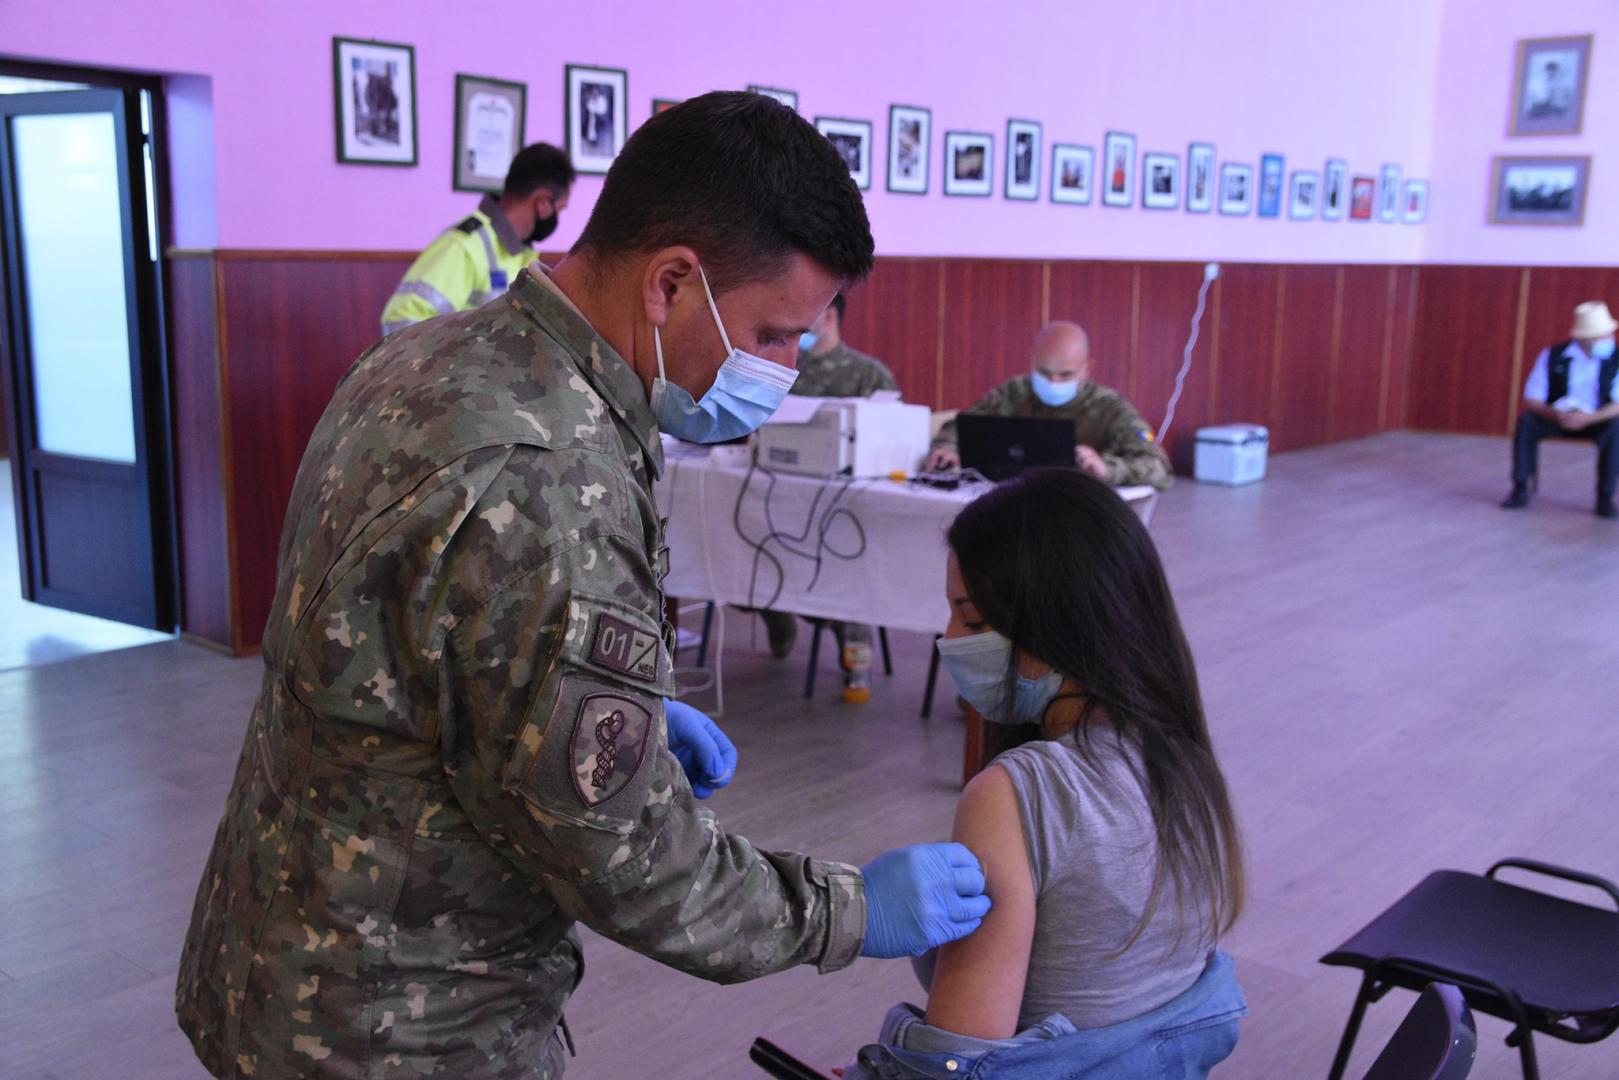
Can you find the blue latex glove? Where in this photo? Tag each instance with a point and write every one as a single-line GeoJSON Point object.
{"type": "Point", "coordinates": [920, 897]}
{"type": "Point", "coordinates": [701, 747]}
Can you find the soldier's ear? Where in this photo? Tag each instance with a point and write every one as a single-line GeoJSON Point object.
{"type": "Point", "coordinates": [668, 278]}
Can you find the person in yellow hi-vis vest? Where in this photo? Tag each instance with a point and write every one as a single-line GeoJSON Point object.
{"type": "Point", "coordinates": [472, 262]}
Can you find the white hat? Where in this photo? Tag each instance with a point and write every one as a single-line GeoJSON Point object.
{"type": "Point", "coordinates": [1592, 320]}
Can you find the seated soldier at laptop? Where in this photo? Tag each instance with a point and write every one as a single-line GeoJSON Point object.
{"type": "Point", "coordinates": [1111, 440]}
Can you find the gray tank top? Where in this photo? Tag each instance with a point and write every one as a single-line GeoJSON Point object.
{"type": "Point", "coordinates": [1093, 851]}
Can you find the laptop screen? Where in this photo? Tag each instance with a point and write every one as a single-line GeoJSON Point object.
{"type": "Point", "coordinates": [1003, 446]}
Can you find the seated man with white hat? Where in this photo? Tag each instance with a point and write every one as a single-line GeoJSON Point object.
{"type": "Point", "coordinates": [1573, 392]}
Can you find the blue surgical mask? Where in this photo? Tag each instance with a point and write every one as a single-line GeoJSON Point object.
{"type": "Point", "coordinates": [808, 340]}
{"type": "Point", "coordinates": [1054, 393]}
{"type": "Point", "coordinates": [978, 663]}
{"type": "Point", "coordinates": [1601, 350]}
{"type": "Point", "coordinates": [746, 391]}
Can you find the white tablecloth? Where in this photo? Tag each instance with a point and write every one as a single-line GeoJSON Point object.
{"type": "Point", "coordinates": [868, 551]}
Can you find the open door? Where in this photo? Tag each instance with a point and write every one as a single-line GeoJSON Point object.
{"type": "Point", "coordinates": [83, 353]}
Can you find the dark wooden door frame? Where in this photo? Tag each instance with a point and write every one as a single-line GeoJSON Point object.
{"type": "Point", "coordinates": [150, 382]}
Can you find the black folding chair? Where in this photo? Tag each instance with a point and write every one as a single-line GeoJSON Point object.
{"type": "Point", "coordinates": [1435, 1041]}
{"type": "Point", "coordinates": [1538, 961]}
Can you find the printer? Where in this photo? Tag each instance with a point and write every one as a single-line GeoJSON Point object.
{"type": "Point", "coordinates": [844, 437]}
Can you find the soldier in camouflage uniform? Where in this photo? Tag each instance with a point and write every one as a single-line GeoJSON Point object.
{"type": "Point", "coordinates": [1111, 440]}
{"type": "Point", "coordinates": [462, 746]}
{"type": "Point", "coordinates": [827, 367]}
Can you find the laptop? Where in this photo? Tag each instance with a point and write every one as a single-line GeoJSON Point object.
{"type": "Point", "coordinates": [1003, 446]}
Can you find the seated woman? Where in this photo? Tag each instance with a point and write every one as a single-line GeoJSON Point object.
{"type": "Point", "coordinates": [1108, 840]}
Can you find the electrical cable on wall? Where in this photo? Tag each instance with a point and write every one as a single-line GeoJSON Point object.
{"type": "Point", "coordinates": [1210, 272]}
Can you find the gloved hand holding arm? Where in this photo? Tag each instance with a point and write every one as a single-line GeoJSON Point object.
{"type": "Point", "coordinates": [705, 754]}
{"type": "Point", "coordinates": [920, 897]}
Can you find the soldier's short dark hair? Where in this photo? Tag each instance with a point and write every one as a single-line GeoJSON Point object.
{"type": "Point", "coordinates": [539, 166]}
{"type": "Point", "coordinates": [741, 179]}
{"type": "Point", "coordinates": [841, 305]}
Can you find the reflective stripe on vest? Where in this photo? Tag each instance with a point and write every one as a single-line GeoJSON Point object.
{"type": "Point", "coordinates": [497, 276]}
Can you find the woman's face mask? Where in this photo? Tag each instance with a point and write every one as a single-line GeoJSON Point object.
{"type": "Point", "coordinates": [978, 663]}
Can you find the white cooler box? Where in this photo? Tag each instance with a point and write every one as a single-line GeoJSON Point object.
{"type": "Point", "coordinates": [1231, 454]}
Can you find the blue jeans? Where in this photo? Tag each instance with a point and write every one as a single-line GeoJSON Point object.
{"type": "Point", "coordinates": [1181, 1040]}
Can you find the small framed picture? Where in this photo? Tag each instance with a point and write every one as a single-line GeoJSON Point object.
{"type": "Point", "coordinates": [374, 84]}
{"type": "Point", "coordinates": [1548, 93]}
{"type": "Point", "coordinates": [1303, 195]}
{"type": "Point", "coordinates": [1022, 159]}
{"type": "Point", "coordinates": [1200, 177]}
{"type": "Point", "coordinates": [663, 105]}
{"type": "Point", "coordinates": [1119, 165]}
{"type": "Point", "coordinates": [1362, 194]}
{"type": "Point", "coordinates": [968, 163]}
{"type": "Point", "coordinates": [1415, 203]}
{"type": "Point", "coordinates": [595, 115]}
{"type": "Point", "coordinates": [910, 133]}
{"type": "Point", "coordinates": [1539, 190]}
{"type": "Point", "coordinates": [1073, 173]}
{"type": "Point", "coordinates": [488, 131]}
{"type": "Point", "coordinates": [1271, 167]}
{"type": "Point", "coordinates": [1388, 194]}
{"type": "Point", "coordinates": [852, 138]}
{"type": "Point", "coordinates": [788, 98]}
{"type": "Point", "coordinates": [1334, 189]}
{"type": "Point", "coordinates": [1236, 189]}
{"type": "Point", "coordinates": [1161, 181]}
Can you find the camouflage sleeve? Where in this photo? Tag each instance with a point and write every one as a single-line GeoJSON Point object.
{"type": "Point", "coordinates": [1001, 401]}
{"type": "Point", "coordinates": [552, 691]}
{"type": "Point", "coordinates": [1132, 453]}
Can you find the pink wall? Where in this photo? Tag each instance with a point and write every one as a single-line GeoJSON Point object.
{"type": "Point", "coordinates": [1303, 79]}
{"type": "Point", "coordinates": [1477, 57]}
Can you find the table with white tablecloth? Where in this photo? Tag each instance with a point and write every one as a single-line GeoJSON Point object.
{"type": "Point", "coordinates": [853, 549]}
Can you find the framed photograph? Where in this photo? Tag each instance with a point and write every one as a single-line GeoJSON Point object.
{"type": "Point", "coordinates": [1271, 167]}
{"type": "Point", "coordinates": [853, 141]}
{"type": "Point", "coordinates": [1200, 177]}
{"type": "Point", "coordinates": [1119, 165]}
{"type": "Point", "coordinates": [663, 105]}
{"type": "Point", "coordinates": [595, 115]}
{"type": "Point", "coordinates": [1022, 159]}
{"type": "Point", "coordinates": [968, 163]}
{"type": "Point", "coordinates": [1236, 189]}
{"type": "Point", "coordinates": [1548, 93]}
{"type": "Point", "coordinates": [488, 131]}
{"type": "Point", "coordinates": [910, 134]}
{"type": "Point", "coordinates": [788, 98]}
{"type": "Point", "coordinates": [374, 86]}
{"type": "Point", "coordinates": [1415, 203]}
{"type": "Point", "coordinates": [1334, 190]}
{"type": "Point", "coordinates": [1161, 181]}
{"type": "Point", "coordinates": [1362, 194]}
{"type": "Point", "coordinates": [1388, 194]}
{"type": "Point", "coordinates": [1539, 190]}
{"type": "Point", "coordinates": [1073, 174]}
{"type": "Point", "coordinates": [1303, 196]}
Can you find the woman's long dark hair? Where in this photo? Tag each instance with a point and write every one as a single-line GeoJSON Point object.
{"type": "Point", "coordinates": [1059, 564]}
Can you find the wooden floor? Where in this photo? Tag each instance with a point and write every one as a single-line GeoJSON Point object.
{"type": "Point", "coordinates": [1400, 677]}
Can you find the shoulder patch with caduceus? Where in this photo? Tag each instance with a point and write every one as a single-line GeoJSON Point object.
{"type": "Point", "coordinates": [609, 741]}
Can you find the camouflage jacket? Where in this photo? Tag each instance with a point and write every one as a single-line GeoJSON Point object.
{"type": "Point", "coordinates": [842, 372]}
{"type": "Point", "coordinates": [459, 748]}
{"type": "Point", "coordinates": [1103, 420]}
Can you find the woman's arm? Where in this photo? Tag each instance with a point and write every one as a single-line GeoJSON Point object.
{"type": "Point", "coordinates": [978, 984]}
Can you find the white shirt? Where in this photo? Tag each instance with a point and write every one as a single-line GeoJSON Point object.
{"type": "Point", "coordinates": [1583, 372]}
